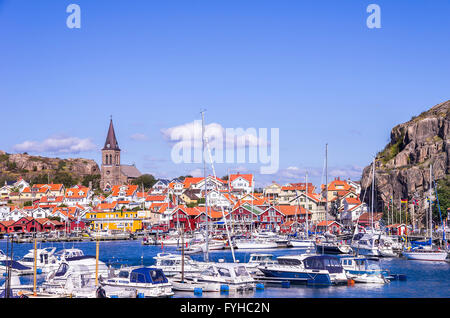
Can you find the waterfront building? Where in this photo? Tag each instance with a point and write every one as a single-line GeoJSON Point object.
{"type": "Point", "coordinates": [113, 173]}
{"type": "Point", "coordinates": [128, 221]}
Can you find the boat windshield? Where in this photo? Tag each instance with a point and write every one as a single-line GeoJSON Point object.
{"type": "Point", "coordinates": [62, 269]}
{"type": "Point", "coordinates": [168, 262]}
{"type": "Point", "coordinates": [332, 264]}
{"type": "Point", "coordinates": [289, 261]}
{"type": "Point", "coordinates": [224, 272]}
{"type": "Point", "coordinates": [123, 274]}
{"type": "Point", "coordinates": [241, 271]}
{"type": "Point", "coordinates": [209, 271]}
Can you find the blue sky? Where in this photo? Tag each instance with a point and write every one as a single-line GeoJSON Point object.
{"type": "Point", "coordinates": [313, 69]}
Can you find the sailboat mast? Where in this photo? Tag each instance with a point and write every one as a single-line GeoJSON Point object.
{"type": "Point", "coordinates": [373, 197]}
{"type": "Point", "coordinates": [306, 205]}
{"type": "Point", "coordinates": [326, 194]}
{"type": "Point", "coordinates": [326, 187]}
{"type": "Point", "coordinates": [430, 210]}
{"type": "Point", "coordinates": [34, 270]}
{"type": "Point", "coordinates": [96, 260]}
{"type": "Point", "coordinates": [204, 176]}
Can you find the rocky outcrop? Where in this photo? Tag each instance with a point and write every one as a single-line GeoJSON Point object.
{"type": "Point", "coordinates": [402, 168]}
{"type": "Point", "coordinates": [26, 166]}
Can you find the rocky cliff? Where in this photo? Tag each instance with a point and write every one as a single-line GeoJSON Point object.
{"type": "Point", "coordinates": [30, 167]}
{"type": "Point", "coordinates": [402, 168]}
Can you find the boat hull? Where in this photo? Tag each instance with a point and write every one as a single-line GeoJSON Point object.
{"type": "Point", "coordinates": [426, 256]}
{"type": "Point", "coordinates": [298, 276]}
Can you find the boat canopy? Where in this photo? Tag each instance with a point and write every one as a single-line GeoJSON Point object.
{"type": "Point", "coordinates": [417, 243]}
{"type": "Point", "coordinates": [14, 265]}
{"type": "Point", "coordinates": [330, 263]}
{"type": "Point", "coordinates": [148, 275]}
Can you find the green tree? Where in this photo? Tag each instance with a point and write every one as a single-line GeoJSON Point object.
{"type": "Point", "coordinates": [28, 203]}
{"type": "Point", "coordinates": [443, 194]}
{"type": "Point", "coordinates": [64, 178]}
{"type": "Point", "coordinates": [146, 179]}
{"type": "Point", "coordinates": [95, 178]}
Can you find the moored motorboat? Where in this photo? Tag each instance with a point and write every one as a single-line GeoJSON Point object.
{"type": "Point", "coordinates": [306, 268]}
{"type": "Point", "coordinates": [232, 276]}
{"type": "Point", "coordinates": [147, 281]}
{"type": "Point", "coordinates": [255, 244]}
{"type": "Point", "coordinates": [171, 264]}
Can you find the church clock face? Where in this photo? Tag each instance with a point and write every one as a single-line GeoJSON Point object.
{"type": "Point", "coordinates": [107, 172]}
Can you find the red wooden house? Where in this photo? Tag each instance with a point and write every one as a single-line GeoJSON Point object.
{"type": "Point", "coordinates": [192, 218]}
{"type": "Point", "coordinates": [21, 225]}
{"type": "Point", "coordinates": [329, 226]}
{"type": "Point", "coordinates": [272, 218]}
{"type": "Point", "coordinates": [6, 226]}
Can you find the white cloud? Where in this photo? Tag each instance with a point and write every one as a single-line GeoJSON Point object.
{"type": "Point", "coordinates": [190, 135]}
{"type": "Point", "coordinates": [57, 145]}
{"type": "Point", "coordinates": [139, 137]}
{"type": "Point", "coordinates": [196, 173]}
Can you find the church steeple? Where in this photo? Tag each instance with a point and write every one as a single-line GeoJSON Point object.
{"type": "Point", "coordinates": [111, 141]}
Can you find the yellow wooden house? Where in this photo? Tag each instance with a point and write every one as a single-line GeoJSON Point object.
{"type": "Point", "coordinates": [115, 220]}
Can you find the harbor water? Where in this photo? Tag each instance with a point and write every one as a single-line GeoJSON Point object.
{"type": "Point", "coordinates": [424, 279]}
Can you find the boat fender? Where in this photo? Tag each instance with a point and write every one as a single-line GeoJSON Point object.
{"type": "Point", "coordinates": [260, 286]}
{"type": "Point", "coordinates": [198, 291]}
{"type": "Point", "coordinates": [286, 284]}
{"type": "Point", "coordinates": [224, 288]}
{"type": "Point", "coordinates": [38, 270]}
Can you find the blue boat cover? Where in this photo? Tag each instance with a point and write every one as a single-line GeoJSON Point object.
{"type": "Point", "coordinates": [416, 243]}
{"type": "Point", "coordinates": [148, 275]}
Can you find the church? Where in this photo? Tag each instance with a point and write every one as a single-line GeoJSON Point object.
{"type": "Point", "coordinates": [112, 171]}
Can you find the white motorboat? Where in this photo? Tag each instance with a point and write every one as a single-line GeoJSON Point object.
{"type": "Point", "coordinates": [256, 260]}
{"type": "Point", "coordinates": [218, 275]}
{"type": "Point", "coordinates": [46, 260]}
{"type": "Point", "coordinates": [200, 246]}
{"type": "Point", "coordinates": [366, 244]}
{"type": "Point", "coordinates": [72, 267]}
{"type": "Point", "coordinates": [190, 284]}
{"type": "Point", "coordinates": [147, 281]}
{"type": "Point", "coordinates": [364, 270]}
{"type": "Point", "coordinates": [302, 243]}
{"type": "Point", "coordinates": [171, 264]}
{"type": "Point", "coordinates": [370, 279]}
{"type": "Point", "coordinates": [79, 285]}
{"type": "Point", "coordinates": [255, 244]}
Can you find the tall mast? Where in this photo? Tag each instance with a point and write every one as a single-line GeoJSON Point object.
{"type": "Point", "coordinates": [204, 176]}
{"type": "Point", "coordinates": [430, 211]}
{"type": "Point", "coordinates": [306, 205]}
{"type": "Point", "coordinates": [373, 185]}
{"type": "Point", "coordinates": [326, 187]}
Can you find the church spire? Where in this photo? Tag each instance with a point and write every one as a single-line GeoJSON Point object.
{"type": "Point", "coordinates": [111, 141]}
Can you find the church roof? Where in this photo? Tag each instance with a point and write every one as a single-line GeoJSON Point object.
{"type": "Point", "coordinates": [130, 171]}
{"type": "Point", "coordinates": [111, 141]}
